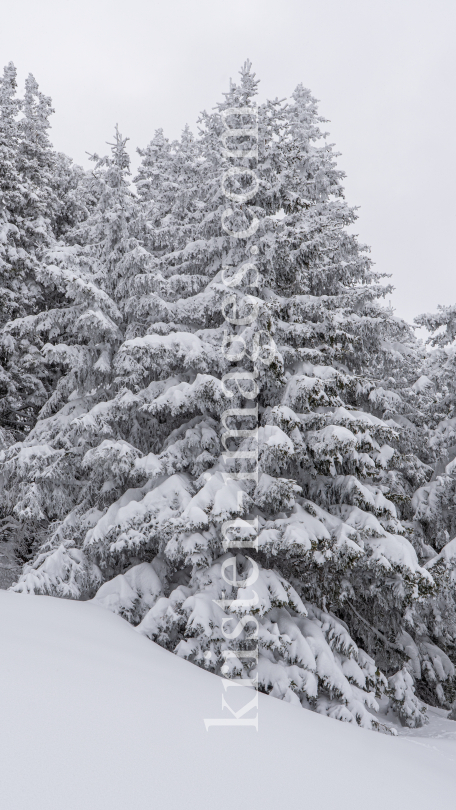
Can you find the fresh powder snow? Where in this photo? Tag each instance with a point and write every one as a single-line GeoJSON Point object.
{"type": "Point", "coordinates": [94, 715]}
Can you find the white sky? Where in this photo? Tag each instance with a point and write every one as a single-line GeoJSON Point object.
{"type": "Point", "coordinates": [384, 71]}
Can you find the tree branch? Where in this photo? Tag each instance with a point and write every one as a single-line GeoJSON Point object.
{"type": "Point", "coordinates": [376, 632]}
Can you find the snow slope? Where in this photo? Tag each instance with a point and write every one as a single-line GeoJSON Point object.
{"type": "Point", "coordinates": [93, 715]}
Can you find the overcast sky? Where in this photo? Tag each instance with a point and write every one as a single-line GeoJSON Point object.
{"type": "Point", "coordinates": [384, 72]}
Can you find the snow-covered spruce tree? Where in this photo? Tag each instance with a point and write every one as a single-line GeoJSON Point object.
{"type": "Point", "coordinates": [24, 231]}
{"type": "Point", "coordinates": [169, 183]}
{"type": "Point", "coordinates": [338, 577]}
{"type": "Point", "coordinates": [42, 477]}
{"type": "Point", "coordinates": [400, 392]}
{"type": "Point", "coordinates": [435, 502]}
{"type": "Point", "coordinates": [42, 195]}
{"type": "Point", "coordinates": [434, 510]}
{"type": "Point", "coordinates": [21, 392]}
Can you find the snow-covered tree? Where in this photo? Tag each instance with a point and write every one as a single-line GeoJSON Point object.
{"type": "Point", "coordinates": [433, 504]}
{"type": "Point", "coordinates": [146, 476]}
{"type": "Point", "coordinates": [44, 479]}
{"type": "Point", "coordinates": [23, 382]}
{"type": "Point", "coordinates": [42, 196]}
{"type": "Point", "coordinates": [20, 390]}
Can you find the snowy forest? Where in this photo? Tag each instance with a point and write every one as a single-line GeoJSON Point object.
{"type": "Point", "coordinates": [137, 393]}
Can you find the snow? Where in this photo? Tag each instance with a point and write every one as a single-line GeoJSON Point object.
{"type": "Point", "coordinates": [179, 349]}
{"type": "Point", "coordinates": [162, 501]}
{"type": "Point", "coordinates": [139, 583]}
{"type": "Point", "coordinates": [448, 554]}
{"type": "Point", "coordinates": [422, 384]}
{"type": "Point", "coordinates": [94, 715]}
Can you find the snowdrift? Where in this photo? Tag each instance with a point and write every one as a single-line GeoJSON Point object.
{"type": "Point", "coordinates": [94, 715]}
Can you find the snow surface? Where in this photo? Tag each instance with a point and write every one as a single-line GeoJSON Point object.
{"type": "Point", "coordinates": [94, 715]}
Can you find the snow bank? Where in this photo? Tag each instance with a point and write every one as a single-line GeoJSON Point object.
{"type": "Point", "coordinates": [96, 716]}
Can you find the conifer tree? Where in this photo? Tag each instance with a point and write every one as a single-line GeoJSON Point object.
{"type": "Point", "coordinates": [42, 196]}
{"type": "Point", "coordinates": [47, 474]}
{"type": "Point", "coordinates": [434, 646]}
{"type": "Point", "coordinates": [158, 501]}
{"type": "Point", "coordinates": [19, 390]}
{"type": "Point", "coordinates": [434, 501]}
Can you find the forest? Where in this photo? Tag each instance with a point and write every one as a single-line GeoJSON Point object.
{"type": "Point", "coordinates": [212, 422]}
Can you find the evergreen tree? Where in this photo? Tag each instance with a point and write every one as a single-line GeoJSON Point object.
{"type": "Point", "coordinates": [20, 391]}
{"type": "Point", "coordinates": [434, 646]}
{"type": "Point", "coordinates": [10, 187]}
{"type": "Point", "coordinates": [42, 196]}
{"type": "Point", "coordinates": [434, 502]}
{"type": "Point", "coordinates": [146, 473]}
{"type": "Point", "coordinates": [45, 477]}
